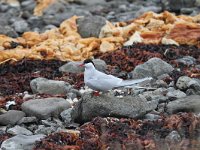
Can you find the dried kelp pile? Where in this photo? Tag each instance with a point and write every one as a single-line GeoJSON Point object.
{"type": "Point", "coordinates": [65, 43]}
{"type": "Point", "coordinates": [109, 133]}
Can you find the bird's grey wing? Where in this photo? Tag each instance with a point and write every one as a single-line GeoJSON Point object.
{"type": "Point", "coordinates": [102, 84]}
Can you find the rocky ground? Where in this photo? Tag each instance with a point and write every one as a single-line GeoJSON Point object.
{"type": "Point", "coordinates": [16, 18]}
{"type": "Point", "coordinates": [45, 105]}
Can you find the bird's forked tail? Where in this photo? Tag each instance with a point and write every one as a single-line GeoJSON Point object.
{"type": "Point", "coordinates": [132, 82]}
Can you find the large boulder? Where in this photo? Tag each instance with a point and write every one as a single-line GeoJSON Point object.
{"type": "Point", "coordinates": [73, 67]}
{"type": "Point", "coordinates": [90, 26]}
{"type": "Point", "coordinates": [11, 117]}
{"type": "Point", "coordinates": [187, 104]}
{"type": "Point", "coordinates": [45, 86]}
{"type": "Point", "coordinates": [152, 68]}
{"type": "Point", "coordinates": [21, 142]}
{"type": "Point", "coordinates": [45, 108]}
{"type": "Point", "coordinates": [110, 106]}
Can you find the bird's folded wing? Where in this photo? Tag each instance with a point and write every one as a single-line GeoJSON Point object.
{"type": "Point", "coordinates": [102, 84]}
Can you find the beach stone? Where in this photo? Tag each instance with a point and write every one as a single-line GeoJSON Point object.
{"type": "Point", "coordinates": [73, 67]}
{"type": "Point", "coordinates": [21, 142]}
{"type": "Point", "coordinates": [20, 26]}
{"type": "Point", "coordinates": [45, 108]}
{"type": "Point", "coordinates": [187, 104]}
{"type": "Point", "coordinates": [154, 67]}
{"type": "Point", "coordinates": [19, 130]}
{"type": "Point", "coordinates": [45, 86]}
{"type": "Point", "coordinates": [110, 106]}
{"type": "Point", "coordinates": [11, 117]}
{"type": "Point", "coordinates": [90, 26]}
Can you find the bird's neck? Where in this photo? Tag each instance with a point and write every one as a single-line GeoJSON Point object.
{"type": "Point", "coordinates": [89, 73]}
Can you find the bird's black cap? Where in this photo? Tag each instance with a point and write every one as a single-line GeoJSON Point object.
{"type": "Point", "coordinates": [88, 61]}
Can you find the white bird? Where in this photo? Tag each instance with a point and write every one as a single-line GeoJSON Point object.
{"type": "Point", "coordinates": [100, 81]}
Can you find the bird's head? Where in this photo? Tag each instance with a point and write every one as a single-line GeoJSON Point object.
{"type": "Point", "coordinates": [88, 63]}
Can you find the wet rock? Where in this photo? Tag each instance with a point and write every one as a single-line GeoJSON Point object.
{"type": "Point", "coordinates": [50, 19]}
{"type": "Point", "coordinates": [45, 130]}
{"type": "Point", "coordinates": [21, 142]}
{"type": "Point", "coordinates": [52, 122]}
{"type": "Point", "coordinates": [151, 117]}
{"type": "Point", "coordinates": [55, 8]}
{"type": "Point", "coordinates": [73, 67]}
{"type": "Point", "coordinates": [13, 3]}
{"type": "Point", "coordinates": [109, 106]}
{"type": "Point", "coordinates": [173, 137]}
{"type": "Point", "coordinates": [157, 95]}
{"type": "Point", "coordinates": [161, 83]}
{"type": "Point", "coordinates": [197, 3]}
{"type": "Point", "coordinates": [3, 19]}
{"type": "Point", "coordinates": [176, 94]}
{"type": "Point", "coordinates": [160, 98]}
{"type": "Point", "coordinates": [49, 27]}
{"type": "Point", "coordinates": [100, 65]}
{"type": "Point", "coordinates": [142, 10]}
{"type": "Point", "coordinates": [190, 92]}
{"type": "Point", "coordinates": [175, 6]}
{"type": "Point", "coordinates": [187, 61]}
{"type": "Point", "coordinates": [93, 2]}
{"type": "Point", "coordinates": [58, 18]}
{"type": "Point", "coordinates": [28, 5]}
{"type": "Point", "coordinates": [11, 117]}
{"type": "Point", "coordinates": [182, 82]}
{"type": "Point", "coordinates": [7, 30]}
{"type": "Point", "coordinates": [45, 108]}
{"type": "Point", "coordinates": [27, 120]}
{"type": "Point", "coordinates": [4, 7]}
{"type": "Point", "coordinates": [125, 16]}
{"type": "Point", "coordinates": [187, 104]}
{"type": "Point", "coordinates": [19, 130]}
{"type": "Point", "coordinates": [152, 68]}
{"type": "Point", "coordinates": [3, 129]}
{"type": "Point", "coordinates": [20, 26]}
{"type": "Point", "coordinates": [35, 21]}
{"type": "Point", "coordinates": [90, 26]}
{"type": "Point", "coordinates": [45, 86]}
{"type": "Point", "coordinates": [187, 11]}
{"type": "Point", "coordinates": [195, 85]}
{"type": "Point", "coordinates": [66, 116]}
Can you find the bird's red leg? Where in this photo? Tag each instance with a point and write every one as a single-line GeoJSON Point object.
{"type": "Point", "coordinates": [96, 93]}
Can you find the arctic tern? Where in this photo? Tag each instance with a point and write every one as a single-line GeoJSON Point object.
{"type": "Point", "coordinates": [100, 81]}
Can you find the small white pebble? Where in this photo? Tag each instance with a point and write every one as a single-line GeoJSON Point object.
{"type": "Point", "coordinates": [70, 101]}
{"type": "Point", "coordinates": [28, 96]}
{"type": "Point", "coordinates": [85, 89]}
{"type": "Point", "coordinates": [9, 103]}
{"type": "Point", "coordinates": [75, 100]}
{"type": "Point", "coordinates": [120, 96]}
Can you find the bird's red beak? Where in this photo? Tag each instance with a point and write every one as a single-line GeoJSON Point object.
{"type": "Point", "coordinates": [81, 65]}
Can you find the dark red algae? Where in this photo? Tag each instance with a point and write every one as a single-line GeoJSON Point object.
{"type": "Point", "coordinates": [4, 136]}
{"type": "Point", "coordinates": [128, 57]}
{"type": "Point", "coordinates": [58, 141]}
{"type": "Point", "coordinates": [16, 77]}
{"type": "Point", "coordinates": [126, 134]}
